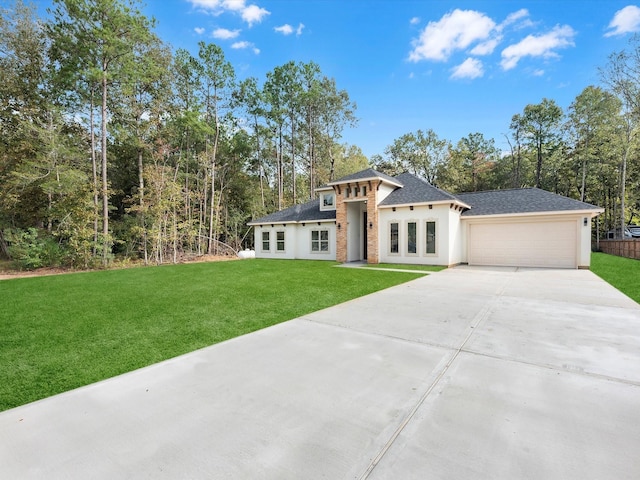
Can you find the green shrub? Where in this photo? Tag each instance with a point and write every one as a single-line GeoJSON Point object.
{"type": "Point", "coordinates": [29, 250]}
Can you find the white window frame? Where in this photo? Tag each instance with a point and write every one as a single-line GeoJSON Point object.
{"type": "Point", "coordinates": [320, 241]}
{"type": "Point", "coordinates": [417, 239]}
{"type": "Point", "coordinates": [397, 223]}
{"type": "Point", "coordinates": [268, 241]}
{"type": "Point", "coordinates": [323, 198]}
{"type": "Point", "coordinates": [426, 236]}
{"type": "Point", "coordinates": [278, 241]}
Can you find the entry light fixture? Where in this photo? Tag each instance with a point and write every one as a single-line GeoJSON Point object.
{"type": "Point", "coordinates": [370, 225]}
{"type": "Point", "coordinates": [586, 221]}
{"type": "Point", "coordinates": [339, 226]}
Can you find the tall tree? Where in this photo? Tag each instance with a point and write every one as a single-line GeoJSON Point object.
{"type": "Point", "coordinates": [476, 156]}
{"type": "Point", "coordinates": [218, 80]}
{"type": "Point", "coordinates": [621, 76]}
{"type": "Point", "coordinates": [96, 41]}
{"type": "Point", "coordinates": [541, 124]}
{"type": "Point", "coordinates": [420, 153]}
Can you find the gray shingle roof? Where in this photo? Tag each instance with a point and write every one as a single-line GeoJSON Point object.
{"type": "Point", "coordinates": [365, 174]}
{"type": "Point", "coordinates": [521, 200]}
{"type": "Point", "coordinates": [307, 212]}
{"type": "Point", "coordinates": [415, 190]}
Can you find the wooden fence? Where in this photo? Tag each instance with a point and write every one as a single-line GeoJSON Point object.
{"type": "Point", "coordinates": [622, 248]}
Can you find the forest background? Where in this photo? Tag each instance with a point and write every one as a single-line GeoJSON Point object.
{"type": "Point", "coordinates": [113, 146]}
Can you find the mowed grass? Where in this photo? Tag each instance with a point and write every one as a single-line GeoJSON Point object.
{"type": "Point", "coordinates": [62, 332]}
{"type": "Point", "coordinates": [622, 273]}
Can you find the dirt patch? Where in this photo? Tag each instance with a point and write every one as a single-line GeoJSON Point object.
{"type": "Point", "coordinates": [43, 272]}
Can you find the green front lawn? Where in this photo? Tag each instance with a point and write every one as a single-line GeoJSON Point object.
{"type": "Point", "coordinates": [62, 332]}
{"type": "Point", "coordinates": [622, 273]}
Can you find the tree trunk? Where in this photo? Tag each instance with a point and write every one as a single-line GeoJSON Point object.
{"type": "Point", "coordinates": [106, 249]}
{"type": "Point", "coordinates": [141, 201]}
{"type": "Point", "coordinates": [94, 171]}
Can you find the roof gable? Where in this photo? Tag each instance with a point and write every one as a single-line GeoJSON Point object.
{"type": "Point", "coordinates": [367, 174]}
{"type": "Point", "coordinates": [416, 190]}
{"type": "Point", "coordinates": [521, 200]}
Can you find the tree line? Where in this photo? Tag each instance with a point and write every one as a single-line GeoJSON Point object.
{"type": "Point", "coordinates": [112, 145]}
{"type": "Point", "coordinates": [588, 152]}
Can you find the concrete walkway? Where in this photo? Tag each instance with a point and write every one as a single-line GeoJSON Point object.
{"type": "Point", "coordinates": [469, 373]}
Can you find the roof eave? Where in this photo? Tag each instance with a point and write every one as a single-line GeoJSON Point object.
{"type": "Point", "coordinates": [367, 179]}
{"type": "Point", "coordinates": [292, 222]}
{"type": "Point", "coordinates": [419, 204]}
{"type": "Point", "coordinates": [591, 212]}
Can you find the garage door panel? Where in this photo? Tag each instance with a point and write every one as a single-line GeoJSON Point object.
{"type": "Point", "coordinates": [533, 244]}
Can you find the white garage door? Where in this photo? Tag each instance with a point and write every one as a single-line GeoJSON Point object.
{"type": "Point", "coordinates": [533, 244]}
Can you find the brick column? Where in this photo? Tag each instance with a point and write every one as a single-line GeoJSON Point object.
{"type": "Point", "coordinates": [341, 226]}
{"type": "Point", "coordinates": [372, 217]}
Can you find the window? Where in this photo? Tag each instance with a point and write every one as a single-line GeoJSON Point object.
{"type": "Point", "coordinates": [266, 244]}
{"type": "Point", "coordinates": [364, 191]}
{"type": "Point", "coordinates": [431, 237]}
{"type": "Point", "coordinates": [319, 240]}
{"type": "Point", "coordinates": [393, 244]}
{"type": "Point", "coordinates": [412, 239]}
{"type": "Point", "coordinates": [327, 200]}
{"type": "Point", "coordinates": [280, 241]}
{"type": "Point", "coordinates": [347, 192]}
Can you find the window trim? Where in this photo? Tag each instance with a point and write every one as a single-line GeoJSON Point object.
{"type": "Point", "coordinates": [283, 241]}
{"type": "Point", "coordinates": [417, 239]}
{"type": "Point", "coordinates": [390, 233]}
{"type": "Point", "coordinates": [426, 237]}
{"type": "Point", "coordinates": [320, 241]}
{"type": "Point", "coordinates": [323, 205]}
{"type": "Point", "coordinates": [268, 241]}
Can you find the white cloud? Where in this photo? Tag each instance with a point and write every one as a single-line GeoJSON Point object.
{"type": "Point", "coordinates": [224, 34]}
{"type": "Point", "coordinates": [470, 68]}
{"type": "Point", "coordinates": [486, 48]}
{"type": "Point", "coordinates": [414, 21]}
{"type": "Point", "coordinates": [514, 17]}
{"type": "Point", "coordinates": [249, 13]}
{"type": "Point", "coordinates": [624, 21]}
{"type": "Point", "coordinates": [538, 73]}
{"type": "Point", "coordinates": [299, 29]}
{"type": "Point", "coordinates": [243, 45]}
{"type": "Point", "coordinates": [538, 46]}
{"type": "Point", "coordinates": [199, 30]}
{"type": "Point", "coordinates": [285, 29]}
{"type": "Point", "coordinates": [454, 31]}
{"type": "Point", "coordinates": [254, 14]}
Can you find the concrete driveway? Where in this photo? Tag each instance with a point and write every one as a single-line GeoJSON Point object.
{"type": "Point", "coordinates": [470, 373]}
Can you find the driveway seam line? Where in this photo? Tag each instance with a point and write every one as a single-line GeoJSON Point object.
{"type": "Point", "coordinates": [548, 366]}
{"type": "Point", "coordinates": [482, 315]}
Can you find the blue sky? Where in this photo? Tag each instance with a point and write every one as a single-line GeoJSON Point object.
{"type": "Point", "coordinates": [455, 67]}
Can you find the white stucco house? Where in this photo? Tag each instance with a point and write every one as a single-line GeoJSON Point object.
{"type": "Point", "coordinates": [370, 216]}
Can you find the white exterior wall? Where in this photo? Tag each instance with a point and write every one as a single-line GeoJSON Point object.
{"type": "Point", "coordinates": [584, 237]}
{"type": "Point", "coordinates": [420, 214]}
{"type": "Point", "coordinates": [455, 237]}
{"type": "Point", "coordinates": [297, 241]}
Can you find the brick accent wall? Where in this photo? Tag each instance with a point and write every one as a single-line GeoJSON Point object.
{"type": "Point", "coordinates": [373, 255]}
{"type": "Point", "coordinates": [621, 248]}
{"type": "Point", "coordinates": [341, 226]}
